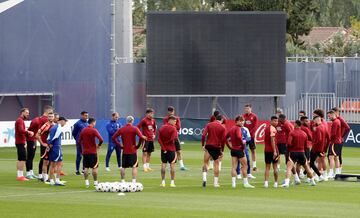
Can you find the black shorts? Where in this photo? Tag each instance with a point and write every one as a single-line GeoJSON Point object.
{"type": "Point", "coordinates": [90, 161]}
{"type": "Point", "coordinates": [237, 153]}
{"type": "Point", "coordinates": [168, 157]}
{"type": "Point", "coordinates": [129, 161]}
{"type": "Point", "coordinates": [269, 158]}
{"type": "Point", "coordinates": [335, 149]}
{"type": "Point", "coordinates": [214, 152]}
{"type": "Point", "coordinates": [21, 152]}
{"type": "Point", "coordinates": [43, 153]}
{"type": "Point", "coordinates": [148, 147]}
{"type": "Point", "coordinates": [177, 145]}
{"type": "Point", "coordinates": [307, 154]}
{"type": "Point", "coordinates": [282, 148]}
{"type": "Point", "coordinates": [317, 154]}
{"type": "Point", "coordinates": [252, 144]}
{"type": "Point", "coordinates": [298, 157]}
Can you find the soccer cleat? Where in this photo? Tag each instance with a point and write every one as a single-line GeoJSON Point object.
{"type": "Point", "coordinates": [239, 176]}
{"type": "Point", "coordinates": [146, 170]}
{"type": "Point", "coordinates": [308, 180]}
{"type": "Point", "coordinates": [183, 168]}
{"type": "Point", "coordinates": [34, 177]}
{"type": "Point", "coordinates": [330, 175]}
{"type": "Point", "coordinates": [297, 182]}
{"type": "Point", "coordinates": [40, 179]}
{"type": "Point", "coordinates": [107, 169]}
{"type": "Point", "coordinates": [204, 184]}
{"type": "Point", "coordinates": [29, 177]}
{"type": "Point", "coordinates": [301, 175]}
{"type": "Point", "coordinates": [266, 185]}
{"type": "Point", "coordinates": [21, 178]}
{"type": "Point", "coordinates": [321, 178]}
{"type": "Point", "coordinates": [59, 184]}
{"type": "Point", "coordinates": [216, 185]}
{"type": "Point", "coordinates": [275, 185]}
{"type": "Point", "coordinates": [162, 185]}
{"type": "Point", "coordinates": [249, 176]}
{"type": "Point", "coordinates": [248, 186]}
{"type": "Point", "coordinates": [172, 185]}
{"type": "Point", "coordinates": [150, 170]}
{"type": "Point", "coordinates": [62, 173]}
{"type": "Point", "coordinates": [254, 169]}
{"type": "Point", "coordinates": [78, 173]}
{"type": "Point", "coordinates": [285, 185]}
{"type": "Point", "coordinates": [312, 183]}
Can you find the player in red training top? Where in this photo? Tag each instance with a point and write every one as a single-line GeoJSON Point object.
{"type": "Point", "coordinates": [87, 140]}
{"type": "Point", "coordinates": [128, 135]}
{"type": "Point", "coordinates": [148, 128]}
{"type": "Point", "coordinates": [171, 112]}
{"type": "Point", "coordinates": [214, 136]}
{"type": "Point", "coordinates": [283, 129]}
{"type": "Point", "coordinates": [20, 140]}
{"type": "Point", "coordinates": [168, 136]}
{"type": "Point", "coordinates": [42, 136]}
{"type": "Point", "coordinates": [251, 123]}
{"type": "Point", "coordinates": [297, 142]}
{"type": "Point", "coordinates": [271, 151]}
{"type": "Point", "coordinates": [335, 146]}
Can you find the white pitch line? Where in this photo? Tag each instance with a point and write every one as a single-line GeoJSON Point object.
{"type": "Point", "coordinates": [47, 193]}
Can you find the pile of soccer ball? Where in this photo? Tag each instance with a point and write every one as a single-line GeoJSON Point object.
{"type": "Point", "coordinates": [119, 187]}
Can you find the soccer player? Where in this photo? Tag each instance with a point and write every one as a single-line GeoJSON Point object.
{"type": "Point", "coordinates": [247, 137]}
{"type": "Point", "coordinates": [128, 135]}
{"type": "Point", "coordinates": [345, 128]}
{"type": "Point", "coordinates": [171, 112]}
{"type": "Point", "coordinates": [305, 126]}
{"type": "Point", "coordinates": [42, 136]}
{"type": "Point", "coordinates": [55, 154]}
{"type": "Point", "coordinates": [237, 147]}
{"type": "Point", "coordinates": [251, 123]}
{"type": "Point", "coordinates": [35, 125]}
{"type": "Point", "coordinates": [214, 136]}
{"type": "Point", "coordinates": [278, 111]}
{"type": "Point", "coordinates": [335, 146]}
{"type": "Point", "coordinates": [112, 126]}
{"type": "Point", "coordinates": [283, 129]}
{"type": "Point", "coordinates": [322, 159]}
{"type": "Point", "coordinates": [20, 140]}
{"type": "Point", "coordinates": [317, 151]}
{"type": "Point", "coordinates": [301, 113]}
{"type": "Point", "coordinates": [212, 119]}
{"type": "Point", "coordinates": [148, 127]}
{"type": "Point", "coordinates": [297, 142]}
{"type": "Point", "coordinates": [87, 140]}
{"type": "Point", "coordinates": [271, 151]}
{"type": "Point", "coordinates": [168, 135]}
{"type": "Point", "coordinates": [77, 128]}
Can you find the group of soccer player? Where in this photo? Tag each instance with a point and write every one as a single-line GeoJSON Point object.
{"type": "Point", "coordinates": [47, 130]}
{"type": "Point", "coordinates": [305, 145]}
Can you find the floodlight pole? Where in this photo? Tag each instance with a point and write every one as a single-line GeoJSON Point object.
{"type": "Point", "coordinates": [275, 104]}
{"type": "Point", "coordinates": [113, 58]}
{"type": "Point", "coordinates": [213, 104]}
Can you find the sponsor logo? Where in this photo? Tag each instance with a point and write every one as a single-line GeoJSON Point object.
{"type": "Point", "coordinates": [191, 131]}
{"type": "Point", "coordinates": [354, 138]}
{"type": "Point", "coordinates": [260, 133]}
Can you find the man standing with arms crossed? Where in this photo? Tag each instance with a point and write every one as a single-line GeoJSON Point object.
{"type": "Point", "coordinates": [271, 151]}
{"type": "Point", "coordinates": [251, 123]}
{"type": "Point", "coordinates": [128, 135]}
{"type": "Point", "coordinates": [77, 128]}
{"type": "Point", "coordinates": [335, 146]}
{"type": "Point", "coordinates": [20, 140]}
{"type": "Point", "coordinates": [214, 136]}
{"type": "Point", "coordinates": [171, 112]}
{"type": "Point", "coordinates": [148, 127]}
{"type": "Point", "coordinates": [87, 139]}
{"type": "Point", "coordinates": [167, 138]}
{"type": "Point", "coordinates": [111, 128]}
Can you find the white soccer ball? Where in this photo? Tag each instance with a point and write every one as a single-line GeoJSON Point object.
{"type": "Point", "coordinates": [114, 188]}
{"type": "Point", "coordinates": [132, 187]}
{"type": "Point", "coordinates": [106, 187]}
{"type": "Point", "coordinates": [139, 187]}
{"type": "Point", "coordinates": [99, 187]}
{"type": "Point", "coordinates": [122, 187]}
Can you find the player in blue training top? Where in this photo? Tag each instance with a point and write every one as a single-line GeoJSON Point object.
{"type": "Point", "coordinates": [55, 153]}
{"type": "Point", "coordinates": [247, 137]}
{"type": "Point", "coordinates": [111, 128]}
{"type": "Point", "coordinates": [78, 126]}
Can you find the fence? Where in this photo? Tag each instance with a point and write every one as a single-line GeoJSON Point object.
{"type": "Point", "coordinates": [349, 107]}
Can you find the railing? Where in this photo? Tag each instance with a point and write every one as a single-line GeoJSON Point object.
{"type": "Point", "coordinates": [349, 107]}
{"type": "Point", "coordinates": [319, 59]}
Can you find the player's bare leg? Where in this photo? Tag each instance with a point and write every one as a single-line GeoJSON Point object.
{"type": "Point", "coordinates": [266, 175]}
{"type": "Point", "coordinates": [244, 166]}
{"type": "Point", "coordinates": [144, 159]}
{"type": "Point", "coordinates": [205, 167]}
{"type": "Point", "coordinates": [148, 161]}
{"type": "Point", "coordinates": [331, 166]}
{"type": "Point", "coordinates": [180, 159]}
{"type": "Point", "coordinates": [322, 160]}
{"type": "Point", "coordinates": [253, 158]}
{"type": "Point", "coordinates": [163, 171]}
{"type": "Point", "coordinates": [276, 175]}
{"type": "Point", "coordinates": [216, 172]}
{"type": "Point", "coordinates": [289, 169]}
{"type": "Point", "coordinates": [86, 177]}
{"type": "Point", "coordinates": [234, 163]}
{"type": "Point", "coordinates": [172, 175]}
{"type": "Point", "coordinates": [52, 173]}
{"type": "Point", "coordinates": [134, 174]}
{"type": "Point", "coordinates": [45, 170]}
{"type": "Point", "coordinates": [95, 175]}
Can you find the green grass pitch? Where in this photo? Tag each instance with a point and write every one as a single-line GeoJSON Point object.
{"type": "Point", "coordinates": [188, 199]}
